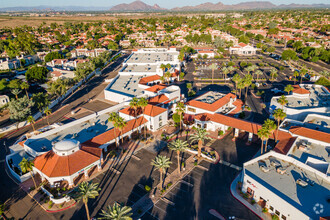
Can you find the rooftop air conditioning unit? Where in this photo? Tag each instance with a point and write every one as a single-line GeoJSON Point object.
{"type": "Point", "coordinates": [301, 183]}
{"type": "Point", "coordinates": [264, 168]}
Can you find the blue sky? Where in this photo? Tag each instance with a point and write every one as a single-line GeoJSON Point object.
{"type": "Point", "coordinates": [161, 3]}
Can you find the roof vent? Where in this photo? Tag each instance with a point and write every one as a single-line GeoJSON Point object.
{"type": "Point", "coordinates": [264, 168]}
{"type": "Point", "coordinates": [301, 183]}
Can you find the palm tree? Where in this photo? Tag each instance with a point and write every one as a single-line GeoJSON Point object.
{"type": "Point", "coordinates": [47, 111]}
{"type": "Point", "coordinates": [270, 126]}
{"type": "Point", "coordinates": [168, 66]}
{"type": "Point", "coordinates": [258, 72]}
{"type": "Point", "coordinates": [180, 109]}
{"type": "Point", "coordinates": [163, 67]}
{"type": "Point", "coordinates": [31, 120]}
{"type": "Point", "coordinates": [113, 118]}
{"type": "Point", "coordinates": [168, 77]}
{"type": "Point", "coordinates": [117, 212]}
{"type": "Point", "coordinates": [279, 115]}
{"type": "Point", "coordinates": [87, 191]}
{"type": "Point", "coordinates": [200, 136]}
{"type": "Point", "coordinates": [236, 78]}
{"type": "Point", "coordinates": [178, 146]}
{"type": "Point", "coordinates": [16, 92]}
{"type": "Point", "coordinates": [247, 82]}
{"type": "Point", "coordinates": [25, 86]}
{"type": "Point", "coordinates": [253, 68]}
{"type": "Point", "coordinates": [161, 163]}
{"type": "Point", "coordinates": [273, 73]}
{"type": "Point", "coordinates": [27, 166]}
{"type": "Point", "coordinates": [249, 69]}
{"type": "Point", "coordinates": [302, 73]}
{"type": "Point", "coordinates": [295, 75]}
{"type": "Point", "coordinates": [225, 71]}
{"type": "Point", "coordinates": [263, 134]}
{"type": "Point", "coordinates": [231, 69]}
{"type": "Point", "coordinates": [213, 67]}
{"type": "Point", "coordinates": [120, 124]}
{"type": "Point", "coordinates": [134, 104]}
{"type": "Point", "coordinates": [282, 100]}
{"type": "Point", "coordinates": [288, 88]}
{"type": "Point", "coordinates": [240, 86]}
{"type": "Point", "coordinates": [143, 102]}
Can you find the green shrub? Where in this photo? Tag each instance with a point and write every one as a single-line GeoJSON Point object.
{"type": "Point", "coordinates": [253, 201]}
{"type": "Point", "coordinates": [195, 163]}
{"type": "Point", "coordinates": [275, 217]}
{"type": "Point", "coordinates": [61, 206]}
{"type": "Point", "coordinates": [147, 188]}
{"type": "Point", "coordinates": [220, 132]}
{"type": "Point", "coordinates": [264, 210]}
{"type": "Point", "coordinates": [169, 184]}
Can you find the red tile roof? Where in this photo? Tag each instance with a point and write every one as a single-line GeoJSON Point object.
{"type": "Point", "coordinates": [310, 133]}
{"type": "Point", "coordinates": [239, 104]}
{"type": "Point", "coordinates": [147, 79]}
{"type": "Point", "coordinates": [150, 110]}
{"type": "Point", "coordinates": [283, 146]}
{"type": "Point", "coordinates": [238, 123]}
{"type": "Point", "coordinates": [214, 106]}
{"type": "Point", "coordinates": [158, 99]}
{"type": "Point", "coordinates": [242, 44]}
{"type": "Point", "coordinates": [53, 165]}
{"type": "Point", "coordinates": [156, 88]}
{"type": "Point", "coordinates": [297, 89]}
{"type": "Point", "coordinates": [115, 132]}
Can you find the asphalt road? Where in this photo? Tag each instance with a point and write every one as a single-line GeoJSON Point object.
{"type": "Point", "coordinates": [89, 91]}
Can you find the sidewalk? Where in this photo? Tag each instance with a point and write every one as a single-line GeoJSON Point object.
{"type": "Point", "coordinates": [256, 209]}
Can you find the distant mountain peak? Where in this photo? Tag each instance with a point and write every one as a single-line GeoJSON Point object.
{"type": "Point", "coordinates": [136, 6]}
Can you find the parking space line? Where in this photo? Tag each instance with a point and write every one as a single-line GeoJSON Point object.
{"type": "Point", "coordinates": [185, 182]}
{"type": "Point", "coordinates": [176, 195]}
{"type": "Point", "coordinates": [155, 217]}
{"type": "Point", "coordinates": [167, 201]}
{"type": "Point", "coordinates": [159, 208]}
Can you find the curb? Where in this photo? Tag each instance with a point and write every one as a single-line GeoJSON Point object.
{"type": "Point", "coordinates": [232, 194]}
{"type": "Point", "coordinates": [50, 211]}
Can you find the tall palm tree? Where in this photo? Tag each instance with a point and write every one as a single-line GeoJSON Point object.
{"type": "Point", "coordinates": [113, 118]}
{"type": "Point", "coordinates": [87, 191]}
{"type": "Point", "coordinates": [161, 163]}
{"type": "Point", "coordinates": [163, 67]}
{"type": "Point", "coordinates": [249, 69]}
{"type": "Point", "coordinates": [270, 126]}
{"type": "Point", "coordinates": [25, 86]}
{"type": "Point", "coordinates": [240, 86]}
{"type": "Point", "coordinates": [247, 82]}
{"type": "Point", "coordinates": [16, 92]}
{"type": "Point", "coordinates": [225, 71]}
{"type": "Point", "coordinates": [282, 100]}
{"type": "Point", "coordinates": [47, 112]}
{"type": "Point", "coordinates": [180, 109]}
{"type": "Point", "coordinates": [231, 69]}
{"type": "Point", "coordinates": [236, 78]}
{"type": "Point", "coordinates": [258, 72]}
{"type": "Point", "coordinates": [168, 76]}
{"type": "Point", "coordinates": [168, 66]}
{"type": "Point", "coordinates": [200, 135]}
{"type": "Point", "coordinates": [213, 67]}
{"type": "Point", "coordinates": [302, 73]}
{"type": "Point", "coordinates": [134, 104]}
{"type": "Point", "coordinates": [27, 166]}
{"type": "Point", "coordinates": [117, 212]}
{"type": "Point", "coordinates": [295, 75]}
{"type": "Point", "coordinates": [31, 120]}
{"type": "Point", "coordinates": [263, 134]}
{"type": "Point", "coordinates": [273, 73]}
{"type": "Point", "coordinates": [143, 102]}
{"type": "Point", "coordinates": [178, 146]}
{"type": "Point", "coordinates": [288, 88]}
{"type": "Point", "coordinates": [120, 124]}
{"type": "Point", "coordinates": [253, 68]}
{"type": "Point", "coordinates": [279, 115]}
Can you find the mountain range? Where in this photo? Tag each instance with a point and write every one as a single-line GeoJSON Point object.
{"type": "Point", "coordinates": [208, 6]}
{"type": "Point", "coordinates": [139, 6]}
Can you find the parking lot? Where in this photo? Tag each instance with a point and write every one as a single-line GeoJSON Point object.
{"type": "Point", "coordinates": [205, 187]}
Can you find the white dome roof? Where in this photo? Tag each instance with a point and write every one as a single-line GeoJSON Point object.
{"type": "Point", "coordinates": [66, 145]}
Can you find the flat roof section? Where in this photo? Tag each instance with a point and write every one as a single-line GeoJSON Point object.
{"type": "Point", "coordinates": [285, 186]}
{"type": "Point", "coordinates": [151, 58]}
{"type": "Point", "coordinates": [140, 68]}
{"type": "Point", "coordinates": [210, 97]}
{"type": "Point", "coordinates": [127, 85]}
{"type": "Point", "coordinates": [81, 132]}
{"type": "Point", "coordinates": [303, 149]}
